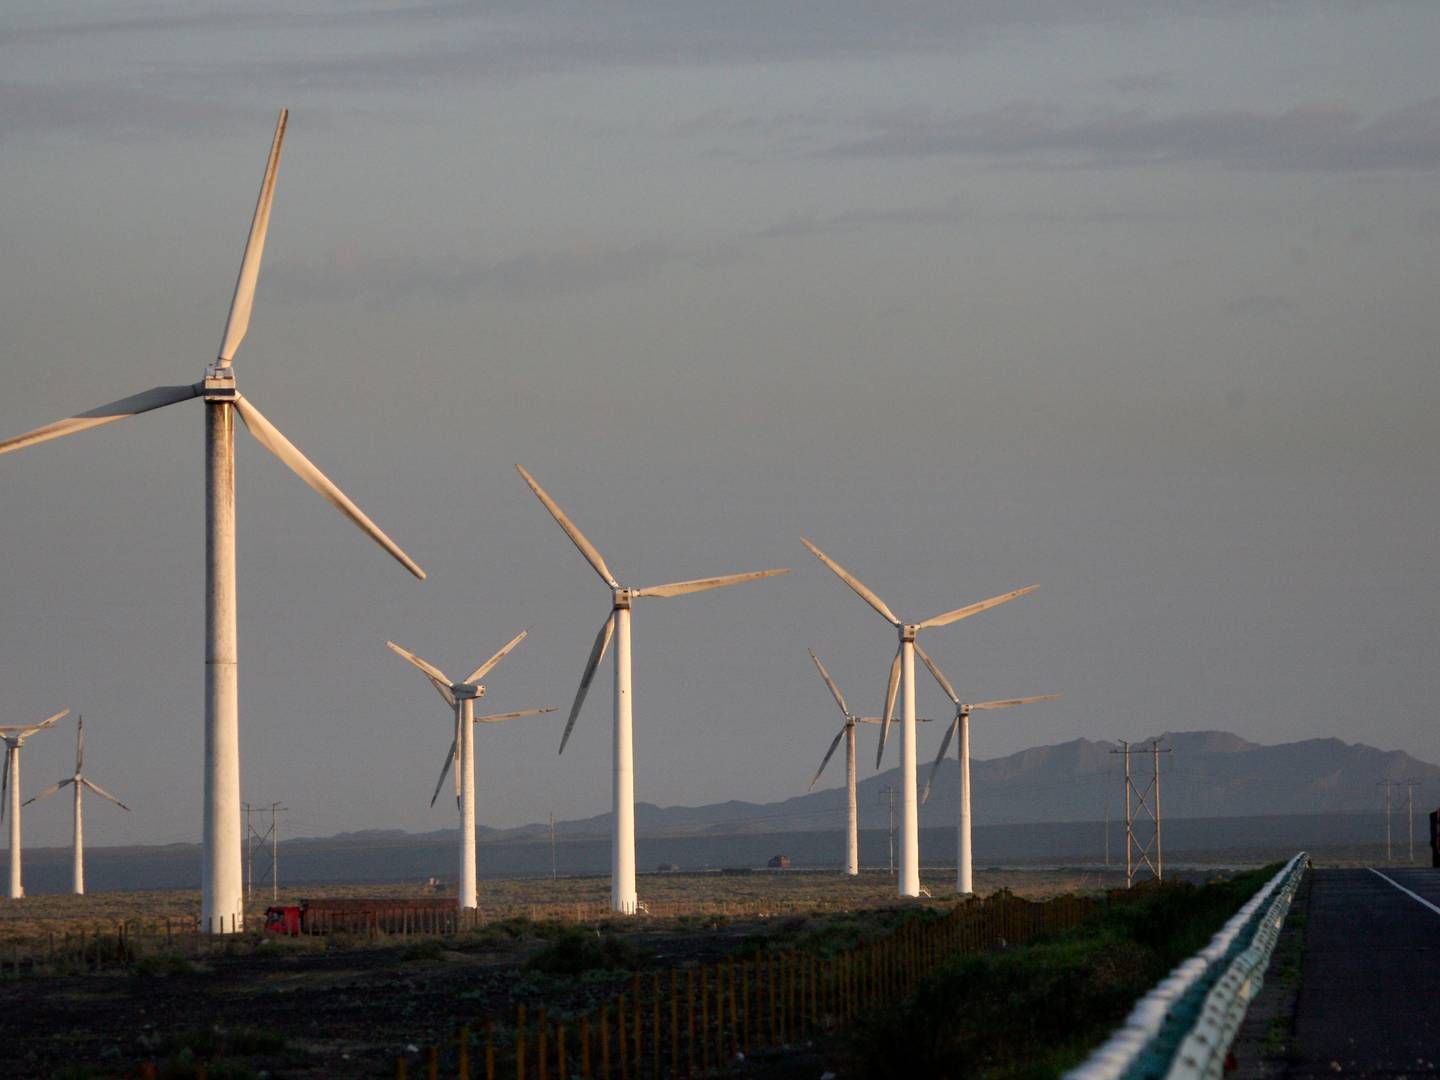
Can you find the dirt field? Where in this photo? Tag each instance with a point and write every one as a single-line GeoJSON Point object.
{"type": "Point", "coordinates": [340, 1005]}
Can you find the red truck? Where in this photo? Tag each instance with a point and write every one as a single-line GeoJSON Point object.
{"type": "Point", "coordinates": [364, 914]}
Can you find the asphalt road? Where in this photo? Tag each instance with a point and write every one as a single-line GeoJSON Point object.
{"type": "Point", "coordinates": [1369, 996]}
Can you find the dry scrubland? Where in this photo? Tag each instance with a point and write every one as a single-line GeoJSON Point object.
{"type": "Point", "coordinates": [343, 1005]}
{"type": "Point", "coordinates": [666, 895]}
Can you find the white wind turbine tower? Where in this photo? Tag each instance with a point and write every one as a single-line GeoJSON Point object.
{"type": "Point", "coordinates": [14, 737]}
{"type": "Point", "coordinates": [847, 732]}
{"type": "Point", "coordinates": [221, 892]}
{"type": "Point", "coordinates": [909, 884]}
{"type": "Point", "coordinates": [80, 782]}
{"type": "Point", "coordinates": [964, 878]}
{"type": "Point", "coordinates": [617, 624]}
{"type": "Point", "coordinates": [461, 697]}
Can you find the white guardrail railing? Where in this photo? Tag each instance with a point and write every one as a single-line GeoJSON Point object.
{"type": "Point", "coordinates": [1183, 1028]}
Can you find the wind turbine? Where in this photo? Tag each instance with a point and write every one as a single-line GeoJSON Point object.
{"type": "Point", "coordinates": [80, 781]}
{"type": "Point", "coordinates": [847, 732]}
{"type": "Point", "coordinates": [221, 893]}
{"type": "Point", "coordinates": [617, 625]}
{"type": "Point", "coordinates": [964, 879]}
{"type": "Point", "coordinates": [14, 737]}
{"type": "Point", "coordinates": [461, 697]}
{"type": "Point", "coordinates": [909, 884]}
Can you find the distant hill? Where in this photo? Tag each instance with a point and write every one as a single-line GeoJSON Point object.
{"type": "Point", "coordinates": [1223, 797]}
{"type": "Point", "coordinates": [1206, 774]}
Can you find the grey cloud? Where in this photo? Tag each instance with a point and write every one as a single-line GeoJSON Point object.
{"type": "Point", "coordinates": [390, 281]}
{"type": "Point", "coordinates": [112, 112]}
{"type": "Point", "coordinates": [507, 40]}
{"type": "Point", "coordinates": [1142, 83]}
{"type": "Point", "coordinates": [858, 219]}
{"type": "Point", "coordinates": [1263, 305]}
{"type": "Point", "coordinates": [1312, 137]}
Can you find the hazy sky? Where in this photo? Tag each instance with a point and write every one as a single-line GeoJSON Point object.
{"type": "Point", "coordinates": [1133, 299]}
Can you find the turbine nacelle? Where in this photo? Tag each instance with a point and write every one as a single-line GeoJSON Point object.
{"type": "Point", "coordinates": [623, 598]}
{"type": "Point", "coordinates": [468, 691]}
{"type": "Point", "coordinates": [219, 383]}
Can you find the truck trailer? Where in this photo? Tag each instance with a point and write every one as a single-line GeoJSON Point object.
{"type": "Point", "coordinates": [364, 914]}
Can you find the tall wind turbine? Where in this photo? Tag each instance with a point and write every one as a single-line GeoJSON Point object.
{"type": "Point", "coordinates": [846, 732]}
{"type": "Point", "coordinates": [964, 878]}
{"type": "Point", "coordinates": [909, 884]}
{"type": "Point", "coordinates": [14, 737]}
{"type": "Point", "coordinates": [80, 782]}
{"type": "Point", "coordinates": [461, 697]}
{"type": "Point", "coordinates": [617, 624]}
{"type": "Point", "coordinates": [221, 891]}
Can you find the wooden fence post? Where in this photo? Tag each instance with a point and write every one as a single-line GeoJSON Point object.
{"type": "Point", "coordinates": [622, 1038]}
{"type": "Point", "coordinates": [605, 1042]}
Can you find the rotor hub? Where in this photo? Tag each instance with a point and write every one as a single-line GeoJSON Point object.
{"type": "Point", "coordinates": [623, 598]}
{"type": "Point", "coordinates": [908, 632]}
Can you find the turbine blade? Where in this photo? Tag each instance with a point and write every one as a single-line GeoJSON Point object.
{"type": "Point", "coordinates": [975, 609]}
{"type": "Point", "coordinates": [834, 690]}
{"type": "Point", "coordinates": [449, 760]}
{"type": "Point", "coordinates": [484, 669]}
{"type": "Point", "coordinates": [495, 718]}
{"type": "Point", "coordinates": [154, 398]}
{"type": "Point", "coordinates": [268, 436]}
{"type": "Point", "coordinates": [586, 548]}
{"type": "Point", "coordinates": [828, 754]}
{"type": "Point", "coordinates": [79, 744]}
{"type": "Point", "coordinates": [1008, 703]}
{"type": "Point", "coordinates": [434, 673]}
{"type": "Point", "coordinates": [854, 583]}
{"type": "Point", "coordinates": [944, 745]}
{"type": "Point", "coordinates": [597, 653]}
{"type": "Point", "coordinates": [443, 690]}
{"type": "Point", "coordinates": [51, 790]}
{"type": "Point", "coordinates": [456, 740]}
{"type": "Point", "coordinates": [102, 792]}
{"type": "Point", "coordinates": [890, 692]}
{"type": "Point", "coordinates": [49, 721]}
{"type": "Point", "coordinates": [680, 588]}
{"type": "Point", "coordinates": [239, 319]}
{"type": "Point", "coordinates": [939, 675]}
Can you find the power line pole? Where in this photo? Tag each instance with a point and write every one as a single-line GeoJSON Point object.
{"type": "Point", "coordinates": [1146, 800]}
{"type": "Point", "coordinates": [889, 792]}
{"type": "Point", "coordinates": [254, 837]}
{"type": "Point", "coordinates": [552, 845]}
{"type": "Point", "coordinates": [1388, 785]}
{"type": "Point", "coordinates": [249, 856]}
{"type": "Point", "coordinates": [1410, 786]}
{"type": "Point", "coordinates": [275, 852]}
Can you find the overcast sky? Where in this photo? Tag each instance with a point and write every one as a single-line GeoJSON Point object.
{"type": "Point", "coordinates": [1133, 299]}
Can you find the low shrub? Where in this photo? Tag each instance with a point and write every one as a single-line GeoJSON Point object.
{"type": "Point", "coordinates": [577, 951]}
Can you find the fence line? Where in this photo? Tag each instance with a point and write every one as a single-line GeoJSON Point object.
{"type": "Point", "coordinates": [697, 1020]}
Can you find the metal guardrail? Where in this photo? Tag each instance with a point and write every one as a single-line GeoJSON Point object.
{"type": "Point", "coordinates": [1182, 1029]}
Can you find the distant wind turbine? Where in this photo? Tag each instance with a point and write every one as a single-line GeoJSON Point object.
{"type": "Point", "coordinates": [617, 624]}
{"type": "Point", "coordinates": [847, 732]}
{"type": "Point", "coordinates": [14, 737]}
{"type": "Point", "coordinates": [909, 883]}
{"type": "Point", "coordinates": [80, 782]}
{"type": "Point", "coordinates": [964, 878]}
{"type": "Point", "coordinates": [461, 697]}
{"type": "Point", "coordinates": [221, 885]}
